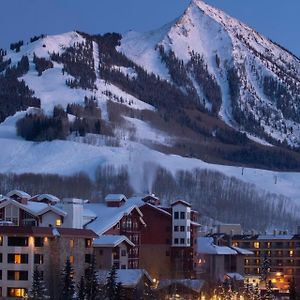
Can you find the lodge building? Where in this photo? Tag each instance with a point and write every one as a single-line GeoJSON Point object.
{"type": "Point", "coordinates": [136, 233]}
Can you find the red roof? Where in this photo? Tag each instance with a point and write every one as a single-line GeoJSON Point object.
{"type": "Point", "coordinates": [46, 231]}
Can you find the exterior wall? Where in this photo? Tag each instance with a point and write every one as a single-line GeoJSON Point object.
{"type": "Point", "coordinates": [107, 256]}
{"type": "Point", "coordinates": [49, 218]}
{"type": "Point", "coordinates": [104, 258]}
{"type": "Point", "coordinates": [155, 254]}
{"type": "Point", "coordinates": [180, 222]}
{"type": "Point", "coordinates": [283, 254]}
{"type": "Point", "coordinates": [55, 251]}
{"type": "Point", "coordinates": [74, 210]}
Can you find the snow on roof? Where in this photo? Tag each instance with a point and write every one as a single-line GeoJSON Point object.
{"type": "Point", "coordinates": [242, 251]}
{"type": "Point", "coordinates": [235, 276]}
{"type": "Point", "coordinates": [115, 197]}
{"type": "Point", "coordinates": [48, 197]}
{"type": "Point", "coordinates": [111, 241]}
{"type": "Point", "coordinates": [138, 201]}
{"type": "Point", "coordinates": [182, 202]}
{"type": "Point", "coordinates": [194, 284]}
{"type": "Point", "coordinates": [107, 217]}
{"type": "Point", "coordinates": [275, 237]}
{"type": "Point", "coordinates": [19, 193]}
{"type": "Point", "coordinates": [34, 208]}
{"type": "Point", "coordinates": [128, 277]}
{"type": "Point", "coordinates": [205, 245]}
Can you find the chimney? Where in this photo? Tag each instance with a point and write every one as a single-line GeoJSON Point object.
{"type": "Point", "coordinates": [74, 209]}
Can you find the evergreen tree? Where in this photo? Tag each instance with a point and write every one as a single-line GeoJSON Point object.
{"type": "Point", "coordinates": [269, 293]}
{"type": "Point", "coordinates": [111, 286]}
{"type": "Point", "coordinates": [38, 289]}
{"type": "Point", "coordinates": [92, 288]}
{"type": "Point", "coordinates": [265, 269]}
{"type": "Point", "coordinates": [81, 289]}
{"type": "Point", "coordinates": [293, 290]}
{"type": "Point", "coordinates": [68, 285]}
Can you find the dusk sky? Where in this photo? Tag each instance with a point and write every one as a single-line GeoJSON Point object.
{"type": "Point", "coordinates": [24, 18]}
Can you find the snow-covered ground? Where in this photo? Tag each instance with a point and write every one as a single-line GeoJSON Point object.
{"type": "Point", "coordinates": [69, 157]}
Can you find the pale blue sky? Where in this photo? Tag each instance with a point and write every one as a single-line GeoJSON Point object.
{"type": "Point", "coordinates": [21, 19]}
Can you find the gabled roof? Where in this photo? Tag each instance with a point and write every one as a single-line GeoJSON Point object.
{"type": "Point", "coordinates": [19, 193]}
{"type": "Point", "coordinates": [108, 217]}
{"type": "Point", "coordinates": [115, 198]}
{"type": "Point", "coordinates": [111, 241]}
{"type": "Point", "coordinates": [50, 197]}
{"type": "Point", "coordinates": [205, 245]}
{"type": "Point", "coordinates": [182, 202]}
{"type": "Point", "coordinates": [34, 208]}
{"type": "Point", "coordinates": [128, 277]}
{"type": "Point", "coordinates": [138, 201]}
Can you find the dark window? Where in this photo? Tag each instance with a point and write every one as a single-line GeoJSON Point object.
{"type": "Point", "coordinates": [15, 241]}
{"type": "Point", "coordinates": [88, 258]}
{"type": "Point", "coordinates": [182, 215]}
{"type": "Point", "coordinates": [38, 242]}
{"type": "Point", "coordinates": [176, 215]}
{"type": "Point", "coordinates": [15, 258]}
{"type": "Point", "coordinates": [88, 243]}
{"type": "Point", "coordinates": [176, 241]}
{"type": "Point", "coordinates": [0, 276]}
{"type": "Point", "coordinates": [17, 275]}
{"type": "Point", "coordinates": [175, 228]}
{"type": "Point", "coordinates": [182, 228]}
{"type": "Point", "coordinates": [0, 257]}
{"type": "Point", "coordinates": [181, 241]}
{"type": "Point", "coordinates": [123, 252]}
{"type": "Point", "coordinates": [38, 259]}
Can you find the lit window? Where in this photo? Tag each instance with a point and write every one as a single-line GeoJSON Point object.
{"type": "Point", "coordinates": [58, 222]}
{"type": "Point", "coordinates": [1, 240]}
{"type": "Point", "coordinates": [88, 243]}
{"type": "Point", "coordinates": [71, 243]}
{"type": "Point", "coordinates": [235, 244]}
{"type": "Point", "coordinates": [71, 259]}
{"type": "Point", "coordinates": [256, 245]}
{"type": "Point", "coordinates": [291, 253]}
{"type": "Point", "coordinates": [16, 292]}
{"type": "Point", "coordinates": [269, 244]}
{"type": "Point", "coordinates": [17, 258]}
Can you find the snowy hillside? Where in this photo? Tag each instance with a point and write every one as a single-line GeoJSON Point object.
{"type": "Point", "coordinates": [203, 92]}
{"type": "Point", "coordinates": [259, 80]}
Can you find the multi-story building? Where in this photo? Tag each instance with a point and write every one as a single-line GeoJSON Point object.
{"type": "Point", "coordinates": [32, 234]}
{"type": "Point", "coordinates": [218, 263]}
{"type": "Point", "coordinates": [128, 233]}
{"type": "Point", "coordinates": [281, 250]}
{"type": "Point", "coordinates": [168, 244]}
